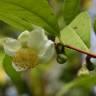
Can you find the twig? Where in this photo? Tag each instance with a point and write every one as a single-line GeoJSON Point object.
{"type": "Point", "coordinates": [81, 51]}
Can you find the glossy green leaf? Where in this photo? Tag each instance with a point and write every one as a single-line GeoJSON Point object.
{"type": "Point", "coordinates": [23, 13]}
{"type": "Point", "coordinates": [77, 34]}
{"type": "Point", "coordinates": [71, 10]}
{"type": "Point", "coordinates": [82, 25]}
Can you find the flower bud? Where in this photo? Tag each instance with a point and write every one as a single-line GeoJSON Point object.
{"type": "Point", "coordinates": [61, 58]}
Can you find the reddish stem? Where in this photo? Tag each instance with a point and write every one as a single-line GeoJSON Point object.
{"type": "Point", "coordinates": [89, 54]}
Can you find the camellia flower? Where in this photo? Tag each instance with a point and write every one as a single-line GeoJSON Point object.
{"type": "Point", "coordinates": [30, 49]}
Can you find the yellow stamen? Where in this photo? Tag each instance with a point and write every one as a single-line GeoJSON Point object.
{"type": "Point", "coordinates": [25, 58]}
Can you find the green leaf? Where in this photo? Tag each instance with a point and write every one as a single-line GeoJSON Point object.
{"type": "Point", "coordinates": [77, 34]}
{"type": "Point", "coordinates": [82, 25]}
{"type": "Point", "coordinates": [14, 76]}
{"type": "Point", "coordinates": [71, 10]}
{"type": "Point", "coordinates": [69, 37]}
{"type": "Point", "coordinates": [23, 13]}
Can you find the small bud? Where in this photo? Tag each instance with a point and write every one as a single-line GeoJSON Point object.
{"type": "Point", "coordinates": [83, 70]}
{"type": "Point", "coordinates": [89, 64]}
{"type": "Point", "coordinates": [61, 58]}
{"type": "Point", "coordinates": [59, 48]}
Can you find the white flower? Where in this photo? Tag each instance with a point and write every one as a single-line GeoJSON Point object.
{"type": "Point", "coordinates": [30, 49]}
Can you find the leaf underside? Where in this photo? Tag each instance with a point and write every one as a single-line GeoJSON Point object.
{"type": "Point", "coordinates": [77, 34]}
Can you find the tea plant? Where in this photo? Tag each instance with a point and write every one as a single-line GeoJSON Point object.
{"type": "Point", "coordinates": [51, 31]}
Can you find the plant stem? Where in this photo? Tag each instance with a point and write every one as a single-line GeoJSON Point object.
{"type": "Point", "coordinates": [87, 53]}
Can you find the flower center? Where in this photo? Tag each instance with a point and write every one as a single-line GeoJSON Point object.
{"type": "Point", "coordinates": [25, 58]}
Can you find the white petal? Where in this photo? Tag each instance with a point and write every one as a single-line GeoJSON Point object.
{"type": "Point", "coordinates": [18, 68]}
{"type": "Point", "coordinates": [24, 37]}
{"type": "Point", "coordinates": [47, 53]}
{"type": "Point", "coordinates": [11, 46]}
{"type": "Point", "coordinates": [37, 39]}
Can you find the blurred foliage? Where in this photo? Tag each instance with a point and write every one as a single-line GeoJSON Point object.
{"type": "Point", "coordinates": [6, 30]}
{"type": "Point", "coordinates": [81, 83]}
{"type": "Point", "coordinates": [15, 76]}
{"type": "Point", "coordinates": [95, 25]}
{"type": "Point", "coordinates": [86, 4]}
